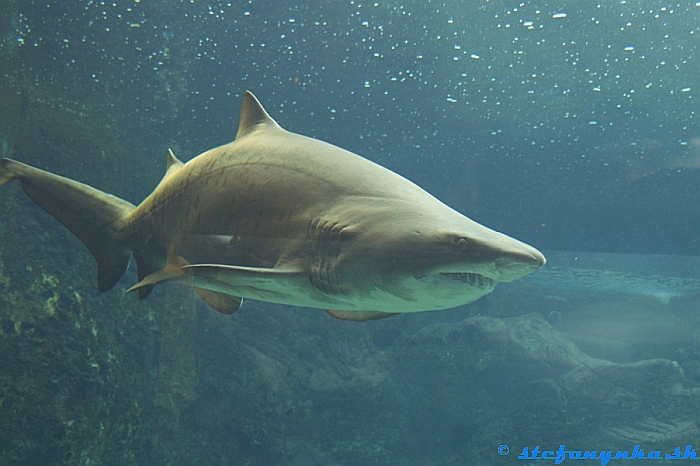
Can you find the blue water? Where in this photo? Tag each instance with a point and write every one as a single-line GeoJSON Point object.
{"type": "Point", "coordinates": [572, 126]}
{"type": "Point", "coordinates": [544, 121]}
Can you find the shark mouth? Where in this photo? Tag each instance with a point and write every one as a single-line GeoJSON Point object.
{"type": "Point", "coordinates": [473, 279]}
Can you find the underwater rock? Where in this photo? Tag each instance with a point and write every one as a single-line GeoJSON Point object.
{"type": "Point", "coordinates": [175, 383]}
{"type": "Point", "coordinates": [518, 379]}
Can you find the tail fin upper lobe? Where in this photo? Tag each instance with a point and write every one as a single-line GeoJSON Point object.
{"type": "Point", "coordinates": [95, 217]}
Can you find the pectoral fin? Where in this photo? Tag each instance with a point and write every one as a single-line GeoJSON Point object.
{"type": "Point", "coordinates": [242, 281]}
{"type": "Point", "coordinates": [229, 272]}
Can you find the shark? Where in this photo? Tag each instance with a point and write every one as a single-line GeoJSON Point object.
{"type": "Point", "coordinates": [284, 218]}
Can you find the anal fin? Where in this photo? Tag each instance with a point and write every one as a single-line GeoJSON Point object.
{"type": "Point", "coordinates": [360, 316]}
{"type": "Point", "coordinates": [171, 271]}
{"type": "Point", "coordinates": [221, 302]}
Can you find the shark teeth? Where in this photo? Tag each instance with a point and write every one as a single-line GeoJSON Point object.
{"type": "Point", "coordinates": [473, 279]}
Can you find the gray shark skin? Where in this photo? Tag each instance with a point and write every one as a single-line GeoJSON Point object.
{"type": "Point", "coordinates": [279, 217]}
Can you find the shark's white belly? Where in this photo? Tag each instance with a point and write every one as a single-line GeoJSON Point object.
{"type": "Point", "coordinates": [405, 295]}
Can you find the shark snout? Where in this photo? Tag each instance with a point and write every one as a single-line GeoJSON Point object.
{"type": "Point", "coordinates": [516, 260]}
{"type": "Point", "coordinates": [533, 257]}
{"type": "Point", "coordinates": [497, 257]}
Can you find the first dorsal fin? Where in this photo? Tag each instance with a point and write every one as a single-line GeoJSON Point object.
{"type": "Point", "coordinates": [253, 116]}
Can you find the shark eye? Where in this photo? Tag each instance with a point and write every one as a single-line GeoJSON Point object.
{"type": "Point", "coordinates": [462, 242]}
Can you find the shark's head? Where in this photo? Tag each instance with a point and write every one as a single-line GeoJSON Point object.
{"type": "Point", "coordinates": [443, 257]}
{"type": "Point", "coordinates": [473, 250]}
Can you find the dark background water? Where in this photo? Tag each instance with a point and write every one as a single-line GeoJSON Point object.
{"type": "Point", "coordinates": [570, 125]}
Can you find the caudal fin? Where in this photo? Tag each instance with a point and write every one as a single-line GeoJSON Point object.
{"type": "Point", "coordinates": [91, 215]}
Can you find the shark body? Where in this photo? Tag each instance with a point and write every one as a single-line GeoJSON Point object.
{"type": "Point", "coordinates": [279, 217]}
